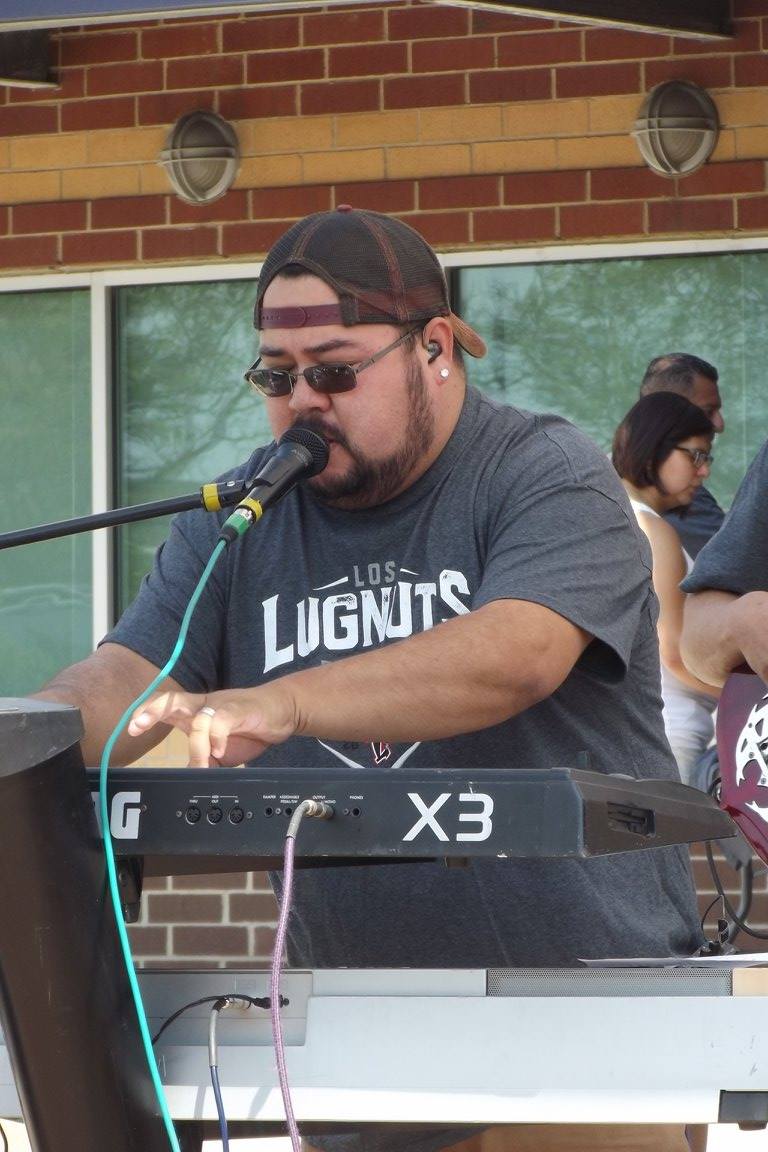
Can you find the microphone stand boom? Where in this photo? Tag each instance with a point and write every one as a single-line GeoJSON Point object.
{"type": "Point", "coordinates": [212, 497]}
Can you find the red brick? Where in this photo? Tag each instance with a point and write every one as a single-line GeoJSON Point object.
{"type": "Point", "coordinates": [148, 940]}
{"type": "Point", "coordinates": [513, 225]}
{"type": "Point", "coordinates": [746, 38]}
{"type": "Point", "coordinates": [362, 27]}
{"type": "Point", "coordinates": [192, 40]}
{"type": "Point", "coordinates": [280, 203]}
{"type": "Point", "coordinates": [423, 91]}
{"type": "Point", "coordinates": [262, 32]}
{"type": "Point", "coordinates": [254, 907]}
{"type": "Point", "coordinates": [274, 67]}
{"type": "Point", "coordinates": [179, 243]}
{"type": "Point", "coordinates": [578, 221]}
{"type": "Point", "coordinates": [708, 72]}
{"type": "Point", "coordinates": [544, 187]}
{"type": "Point", "coordinates": [753, 213]}
{"type": "Point", "coordinates": [510, 84]}
{"type": "Point", "coordinates": [4, 220]}
{"type": "Point", "coordinates": [156, 884]}
{"type": "Point", "coordinates": [221, 940]}
{"type": "Point", "coordinates": [539, 48]}
{"type": "Point", "coordinates": [86, 114]}
{"type": "Point", "coordinates": [628, 184]}
{"type": "Point", "coordinates": [691, 216]}
{"type": "Point", "coordinates": [66, 216]}
{"type": "Point", "coordinates": [28, 252]}
{"type": "Point", "coordinates": [98, 247]}
{"type": "Point", "coordinates": [259, 101]}
{"type": "Point", "coordinates": [140, 77]}
{"type": "Point", "coordinates": [426, 23]}
{"type": "Point", "coordinates": [232, 206]}
{"type": "Point", "coordinates": [166, 107]}
{"type": "Point", "coordinates": [98, 48]}
{"type": "Point", "coordinates": [750, 71]}
{"type": "Point", "coordinates": [227, 881]}
{"type": "Point", "coordinates": [379, 196]}
{"type": "Point", "coordinates": [263, 942]}
{"type": "Point", "coordinates": [441, 228]}
{"type": "Point", "coordinates": [459, 192]}
{"type": "Point", "coordinates": [192, 908]}
{"type": "Point", "coordinates": [128, 211]}
{"type": "Point", "coordinates": [345, 96]}
{"type": "Point", "coordinates": [28, 119]}
{"type": "Point", "coordinates": [500, 22]}
{"type": "Point", "coordinates": [453, 55]}
{"type": "Point", "coordinates": [597, 80]}
{"type": "Point", "coordinates": [204, 72]}
{"type": "Point", "coordinates": [722, 179]}
{"type": "Point", "coordinates": [617, 44]}
{"type": "Point", "coordinates": [368, 60]}
{"type": "Point", "coordinates": [250, 239]}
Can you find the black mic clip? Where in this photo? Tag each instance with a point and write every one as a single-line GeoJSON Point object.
{"type": "Point", "coordinates": [300, 453]}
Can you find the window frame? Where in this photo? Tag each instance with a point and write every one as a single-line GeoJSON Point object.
{"type": "Point", "coordinates": [103, 283]}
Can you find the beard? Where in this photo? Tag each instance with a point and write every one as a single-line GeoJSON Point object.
{"type": "Point", "coordinates": [367, 482]}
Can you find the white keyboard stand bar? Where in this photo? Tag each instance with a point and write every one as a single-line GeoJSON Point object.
{"type": "Point", "coordinates": [466, 1046]}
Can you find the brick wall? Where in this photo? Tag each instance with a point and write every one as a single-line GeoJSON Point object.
{"type": "Point", "coordinates": [481, 130]}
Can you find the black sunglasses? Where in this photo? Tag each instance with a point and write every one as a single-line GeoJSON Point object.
{"type": "Point", "coordinates": [325, 378]}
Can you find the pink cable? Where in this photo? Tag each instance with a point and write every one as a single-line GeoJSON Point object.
{"type": "Point", "coordinates": [274, 992]}
{"type": "Point", "coordinates": [323, 811]}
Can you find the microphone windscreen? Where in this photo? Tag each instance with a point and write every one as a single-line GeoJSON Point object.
{"type": "Point", "coordinates": [315, 445]}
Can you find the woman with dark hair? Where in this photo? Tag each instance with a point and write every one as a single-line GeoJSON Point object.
{"type": "Point", "coordinates": [661, 451]}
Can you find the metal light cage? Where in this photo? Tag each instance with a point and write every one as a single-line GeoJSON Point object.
{"type": "Point", "coordinates": [201, 157]}
{"type": "Point", "coordinates": [677, 128]}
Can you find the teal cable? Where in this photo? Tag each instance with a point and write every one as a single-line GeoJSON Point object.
{"type": "Point", "coordinates": [110, 854]}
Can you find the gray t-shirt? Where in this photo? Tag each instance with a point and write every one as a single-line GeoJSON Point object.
{"type": "Point", "coordinates": [736, 559]}
{"type": "Point", "coordinates": [517, 506]}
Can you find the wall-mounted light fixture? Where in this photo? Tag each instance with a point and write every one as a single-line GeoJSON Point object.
{"type": "Point", "coordinates": [676, 128]}
{"type": "Point", "coordinates": [201, 157]}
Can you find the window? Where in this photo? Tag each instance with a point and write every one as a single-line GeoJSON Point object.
{"type": "Point", "coordinates": [565, 334]}
{"type": "Point", "coordinates": [575, 338]}
{"type": "Point", "coordinates": [184, 414]}
{"type": "Point", "coordinates": [45, 475]}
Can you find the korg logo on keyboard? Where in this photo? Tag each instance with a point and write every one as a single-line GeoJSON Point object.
{"type": "Point", "coordinates": [124, 814]}
{"type": "Point", "coordinates": [428, 819]}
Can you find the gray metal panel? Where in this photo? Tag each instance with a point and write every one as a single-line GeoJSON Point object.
{"type": "Point", "coordinates": [32, 731]}
{"type": "Point", "coordinates": [609, 982]}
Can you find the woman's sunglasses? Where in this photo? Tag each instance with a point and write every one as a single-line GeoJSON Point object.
{"type": "Point", "coordinates": [325, 378]}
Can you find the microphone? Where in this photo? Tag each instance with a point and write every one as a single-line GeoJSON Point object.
{"type": "Point", "coordinates": [300, 453]}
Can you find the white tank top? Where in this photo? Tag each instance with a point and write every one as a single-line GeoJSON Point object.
{"type": "Point", "coordinates": [688, 714]}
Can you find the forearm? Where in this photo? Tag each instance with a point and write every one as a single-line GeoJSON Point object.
{"type": "Point", "coordinates": [722, 630]}
{"type": "Point", "coordinates": [102, 687]}
{"type": "Point", "coordinates": [467, 674]}
{"type": "Point", "coordinates": [686, 677]}
{"type": "Point", "coordinates": [463, 675]}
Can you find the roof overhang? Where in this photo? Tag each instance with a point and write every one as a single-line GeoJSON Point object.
{"type": "Point", "coordinates": [704, 20]}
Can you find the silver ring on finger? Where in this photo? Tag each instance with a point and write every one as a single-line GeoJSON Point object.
{"type": "Point", "coordinates": [206, 710]}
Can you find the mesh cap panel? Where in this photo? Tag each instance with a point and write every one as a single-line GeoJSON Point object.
{"type": "Point", "coordinates": [383, 271]}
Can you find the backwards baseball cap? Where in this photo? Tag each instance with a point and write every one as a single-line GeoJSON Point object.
{"type": "Point", "coordinates": [383, 271]}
